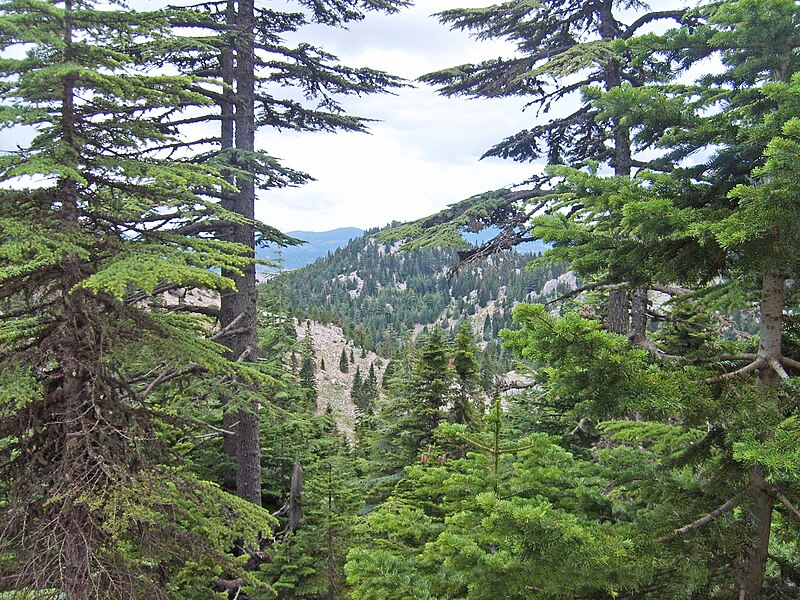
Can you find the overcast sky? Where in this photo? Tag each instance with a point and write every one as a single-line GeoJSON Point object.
{"type": "Point", "coordinates": [424, 152]}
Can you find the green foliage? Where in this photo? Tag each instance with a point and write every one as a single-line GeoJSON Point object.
{"type": "Point", "coordinates": [446, 534]}
{"type": "Point", "coordinates": [403, 289]}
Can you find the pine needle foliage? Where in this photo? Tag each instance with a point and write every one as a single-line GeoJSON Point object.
{"type": "Point", "coordinates": [93, 219]}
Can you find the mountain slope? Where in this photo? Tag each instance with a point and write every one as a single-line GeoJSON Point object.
{"type": "Point", "coordinates": [380, 296]}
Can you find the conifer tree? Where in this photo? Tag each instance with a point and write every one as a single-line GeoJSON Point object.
{"type": "Point", "coordinates": [93, 222]}
{"type": "Point", "coordinates": [344, 363]}
{"type": "Point", "coordinates": [467, 375]}
{"type": "Point", "coordinates": [242, 41]}
{"type": "Point", "coordinates": [562, 48]}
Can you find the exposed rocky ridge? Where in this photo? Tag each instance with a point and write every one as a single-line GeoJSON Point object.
{"type": "Point", "coordinates": [334, 386]}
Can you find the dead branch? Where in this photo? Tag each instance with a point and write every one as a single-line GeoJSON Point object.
{"type": "Point", "coordinates": [670, 290]}
{"type": "Point", "coordinates": [589, 287]}
{"type": "Point", "coordinates": [515, 385]}
{"type": "Point", "coordinates": [169, 375]}
{"type": "Point", "coordinates": [224, 331]}
{"type": "Point", "coordinates": [581, 426]}
{"type": "Point", "coordinates": [159, 289]}
{"type": "Point", "coordinates": [208, 311]}
{"type": "Point", "coordinates": [704, 520]}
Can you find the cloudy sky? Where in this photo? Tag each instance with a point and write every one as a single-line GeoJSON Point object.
{"type": "Point", "coordinates": [424, 152]}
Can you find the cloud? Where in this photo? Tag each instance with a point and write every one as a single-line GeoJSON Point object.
{"type": "Point", "coordinates": [421, 155]}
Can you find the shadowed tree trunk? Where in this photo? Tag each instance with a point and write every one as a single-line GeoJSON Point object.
{"type": "Point", "coordinates": [243, 302]}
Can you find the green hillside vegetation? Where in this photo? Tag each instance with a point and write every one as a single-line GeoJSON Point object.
{"type": "Point", "coordinates": [379, 295]}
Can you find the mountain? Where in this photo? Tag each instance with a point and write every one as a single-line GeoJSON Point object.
{"type": "Point", "coordinates": [319, 243]}
{"type": "Point", "coordinates": [381, 296]}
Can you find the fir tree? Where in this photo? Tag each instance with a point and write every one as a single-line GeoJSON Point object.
{"type": "Point", "coordinates": [467, 375]}
{"type": "Point", "coordinates": [344, 363]}
{"type": "Point", "coordinates": [102, 228]}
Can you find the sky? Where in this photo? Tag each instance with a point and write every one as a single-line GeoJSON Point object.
{"type": "Point", "coordinates": [423, 150]}
{"type": "Point", "coordinates": [423, 153]}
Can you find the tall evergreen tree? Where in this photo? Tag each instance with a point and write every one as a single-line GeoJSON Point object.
{"type": "Point", "coordinates": [93, 222]}
{"type": "Point", "coordinates": [466, 405]}
{"type": "Point", "coordinates": [242, 40]}
{"type": "Point", "coordinates": [563, 48]}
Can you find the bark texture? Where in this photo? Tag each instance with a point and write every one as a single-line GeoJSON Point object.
{"type": "Point", "coordinates": [241, 304]}
{"type": "Point", "coordinates": [759, 503]}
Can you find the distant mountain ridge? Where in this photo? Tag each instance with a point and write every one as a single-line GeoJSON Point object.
{"type": "Point", "coordinates": [379, 295]}
{"type": "Point", "coordinates": [318, 244]}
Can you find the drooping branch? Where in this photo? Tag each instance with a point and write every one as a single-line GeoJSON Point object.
{"type": "Point", "coordinates": [648, 18]}
{"type": "Point", "coordinates": [704, 520]}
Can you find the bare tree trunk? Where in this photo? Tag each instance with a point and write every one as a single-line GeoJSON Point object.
{"type": "Point", "coordinates": [617, 312]}
{"type": "Point", "coordinates": [759, 503]}
{"type": "Point", "coordinates": [617, 319]}
{"type": "Point", "coordinates": [296, 496]}
{"type": "Point", "coordinates": [243, 302]}
{"type": "Point", "coordinates": [229, 418]}
{"type": "Point", "coordinates": [238, 132]}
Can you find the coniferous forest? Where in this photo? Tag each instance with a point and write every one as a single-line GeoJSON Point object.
{"type": "Point", "coordinates": [411, 416]}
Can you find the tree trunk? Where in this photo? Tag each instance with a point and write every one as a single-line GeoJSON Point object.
{"type": "Point", "coordinates": [71, 518]}
{"type": "Point", "coordinates": [617, 312]}
{"type": "Point", "coordinates": [638, 333]}
{"type": "Point", "coordinates": [229, 418]}
{"type": "Point", "coordinates": [759, 503]}
{"type": "Point", "coordinates": [296, 496]}
{"type": "Point", "coordinates": [248, 448]}
{"type": "Point", "coordinates": [617, 319]}
{"type": "Point", "coordinates": [241, 304]}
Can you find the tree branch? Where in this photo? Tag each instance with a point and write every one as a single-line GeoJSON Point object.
{"type": "Point", "coordinates": [756, 364]}
{"type": "Point", "coordinates": [788, 504]}
{"type": "Point", "coordinates": [704, 520]}
{"type": "Point", "coordinates": [653, 16]}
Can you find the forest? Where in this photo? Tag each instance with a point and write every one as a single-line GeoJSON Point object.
{"type": "Point", "coordinates": [412, 416]}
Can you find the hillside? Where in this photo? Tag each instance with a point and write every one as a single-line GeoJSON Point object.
{"type": "Point", "coordinates": [334, 386]}
{"type": "Point", "coordinates": [381, 296]}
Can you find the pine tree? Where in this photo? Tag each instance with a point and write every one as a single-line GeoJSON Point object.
{"type": "Point", "coordinates": [94, 222]}
{"type": "Point", "coordinates": [344, 364]}
{"type": "Point", "coordinates": [357, 391]}
{"type": "Point", "coordinates": [467, 375]}
{"type": "Point", "coordinates": [415, 407]}
{"type": "Point", "coordinates": [563, 47]}
{"type": "Point", "coordinates": [240, 40]}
